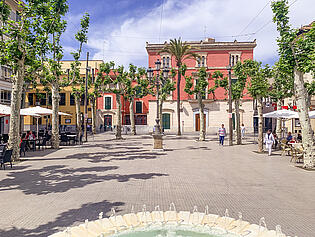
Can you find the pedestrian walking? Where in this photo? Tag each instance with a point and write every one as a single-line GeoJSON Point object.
{"type": "Point", "coordinates": [269, 140]}
{"type": "Point", "coordinates": [222, 134]}
{"type": "Point", "coordinates": [243, 130]}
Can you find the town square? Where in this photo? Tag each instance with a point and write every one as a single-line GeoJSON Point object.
{"type": "Point", "coordinates": [157, 118]}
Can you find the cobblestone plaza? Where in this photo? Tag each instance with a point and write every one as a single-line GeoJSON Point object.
{"type": "Point", "coordinates": [50, 189]}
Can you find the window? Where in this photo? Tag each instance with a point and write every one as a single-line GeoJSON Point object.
{"type": "Point", "coordinates": [127, 120]}
{"type": "Point", "coordinates": [138, 107]}
{"type": "Point", "coordinates": [201, 61]}
{"type": "Point", "coordinates": [166, 62]}
{"type": "Point", "coordinates": [82, 100]}
{"type": "Point", "coordinates": [198, 62]}
{"type": "Point", "coordinates": [108, 102]}
{"type": "Point", "coordinates": [62, 99]}
{"type": "Point", "coordinates": [141, 120]}
{"type": "Point", "coordinates": [234, 58]}
{"type": "Point", "coordinates": [30, 99]}
{"type": "Point", "coordinates": [72, 99]}
{"type": "Point", "coordinates": [49, 100]}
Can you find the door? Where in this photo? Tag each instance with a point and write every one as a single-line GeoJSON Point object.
{"type": "Point", "coordinates": [166, 121]}
{"type": "Point", "coordinates": [197, 122]}
{"type": "Point", "coordinates": [107, 122]}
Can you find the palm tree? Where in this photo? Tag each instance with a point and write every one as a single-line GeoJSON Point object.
{"type": "Point", "coordinates": [180, 51]}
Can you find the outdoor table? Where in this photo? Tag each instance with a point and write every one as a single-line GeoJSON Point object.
{"type": "Point", "coordinates": [71, 137]}
{"type": "Point", "coordinates": [33, 142]}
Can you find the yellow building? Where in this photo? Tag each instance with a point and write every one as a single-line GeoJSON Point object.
{"type": "Point", "coordinates": [39, 97]}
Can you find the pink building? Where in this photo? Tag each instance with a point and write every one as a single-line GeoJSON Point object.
{"type": "Point", "coordinates": [215, 57]}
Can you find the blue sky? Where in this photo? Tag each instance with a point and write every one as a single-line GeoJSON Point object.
{"type": "Point", "coordinates": [119, 29]}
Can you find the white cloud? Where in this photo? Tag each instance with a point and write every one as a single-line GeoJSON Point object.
{"type": "Point", "coordinates": [193, 20]}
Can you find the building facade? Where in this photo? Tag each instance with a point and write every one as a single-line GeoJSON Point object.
{"type": "Point", "coordinates": [214, 56]}
{"type": "Point", "coordinates": [6, 73]}
{"type": "Point", "coordinates": [39, 97]}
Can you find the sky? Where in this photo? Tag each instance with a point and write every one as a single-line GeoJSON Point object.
{"type": "Point", "coordinates": [119, 29]}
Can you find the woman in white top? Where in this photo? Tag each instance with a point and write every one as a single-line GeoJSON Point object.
{"type": "Point", "coordinates": [269, 140]}
{"type": "Point", "coordinates": [243, 130]}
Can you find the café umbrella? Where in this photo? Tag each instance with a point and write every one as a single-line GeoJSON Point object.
{"type": "Point", "coordinates": [40, 111]}
{"type": "Point", "coordinates": [5, 110]}
{"type": "Point", "coordinates": [283, 113]}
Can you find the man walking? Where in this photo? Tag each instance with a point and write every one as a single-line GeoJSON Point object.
{"type": "Point", "coordinates": [222, 134]}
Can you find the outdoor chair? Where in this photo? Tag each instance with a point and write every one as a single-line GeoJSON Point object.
{"type": "Point", "coordinates": [285, 147]}
{"type": "Point", "coordinates": [2, 149]}
{"type": "Point", "coordinates": [42, 143]}
{"type": "Point", "coordinates": [64, 139]}
{"type": "Point", "coordinates": [23, 148]}
{"type": "Point", "coordinates": [6, 158]}
{"type": "Point", "coordinates": [297, 154]}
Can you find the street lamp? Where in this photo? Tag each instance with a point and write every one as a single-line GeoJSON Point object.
{"type": "Point", "coordinates": [160, 80]}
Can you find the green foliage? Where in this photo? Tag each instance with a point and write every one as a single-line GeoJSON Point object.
{"type": "Point", "coordinates": [219, 81]}
{"type": "Point", "coordinates": [258, 86]}
{"type": "Point", "coordinates": [201, 83]}
{"type": "Point", "coordinates": [296, 49]}
{"type": "Point", "coordinates": [283, 83]}
{"type": "Point", "coordinates": [239, 86]}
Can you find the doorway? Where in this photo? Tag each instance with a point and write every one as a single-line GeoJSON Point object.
{"type": "Point", "coordinates": [107, 122]}
{"type": "Point", "coordinates": [166, 121]}
{"type": "Point", "coordinates": [197, 121]}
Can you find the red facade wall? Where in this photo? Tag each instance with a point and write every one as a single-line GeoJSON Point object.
{"type": "Point", "coordinates": [217, 60]}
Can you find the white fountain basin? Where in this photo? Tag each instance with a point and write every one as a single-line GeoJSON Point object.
{"type": "Point", "coordinates": [168, 224]}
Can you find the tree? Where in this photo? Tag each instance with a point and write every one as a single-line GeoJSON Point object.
{"type": "Point", "coordinates": [237, 94]}
{"type": "Point", "coordinates": [180, 51]}
{"type": "Point", "coordinates": [22, 44]}
{"type": "Point", "coordinates": [135, 86]}
{"type": "Point", "coordinates": [282, 87]}
{"type": "Point", "coordinates": [75, 80]}
{"type": "Point", "coordinates": [258, 88]}
{"type": "Point", "coordinates": [115, 84]}
{"type": "Point", "coordinates": [199, 89]}
{"type": "Point", "coordinates": [297, 54]}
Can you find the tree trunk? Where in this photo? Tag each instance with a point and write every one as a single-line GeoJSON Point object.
{"type": "Point", "coordinates": [118, 127]}
{"type": "Point", "coordinates": [93, 111]}
{"type": "Point", "coordinates": [260, 124]}
{"type": "Point", "coordinates": [78, 117]}
{"type": "Point", "coordinates": [279, 121]}
{"type": "Point", "coordinates": [202, 136]}
{"type": "Point", "coordinates": [132, 116]}
{"type": "Point", "coordinates": [302, 102]}
{"type": "Point", "coordinates": [14, 132]}
{"type": "Point", "coordinates": [238, 122]}
{"type": "Point", "coordinates": [179, 132]}
{"type": "Point", "coordinates": [55, 116]}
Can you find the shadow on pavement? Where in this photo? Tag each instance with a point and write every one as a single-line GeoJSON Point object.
{"type": "Point", "coordinates": [59, 178]}
{"type": "Point", "coordinates": [68, 218]}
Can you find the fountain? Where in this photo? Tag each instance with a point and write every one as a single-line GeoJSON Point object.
{"type": "Point", "coordinates": [170, 224]}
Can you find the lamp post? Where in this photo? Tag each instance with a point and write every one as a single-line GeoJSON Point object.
{"type": "Point", "coordinates": [230, 105]}
{"type": "Point", "coordinates": [157, 135]}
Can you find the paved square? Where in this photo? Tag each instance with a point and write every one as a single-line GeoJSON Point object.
{"type": "Point", "coordinates": [54, 189]}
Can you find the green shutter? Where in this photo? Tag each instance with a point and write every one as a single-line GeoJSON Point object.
{"type": "Point", "coordinates": [108, 102]}
{"type": "Point", "coordinates": [166, 121]}
{"type": "Point", "coordinates": [233, 118]}
{"type": "Point", "coordinates": [138, 107]}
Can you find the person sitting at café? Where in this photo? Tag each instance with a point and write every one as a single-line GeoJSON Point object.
{"type": "Point", "coordinates": [289, 137]}
{"type": "Point", "coordinates": [299, 137]}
